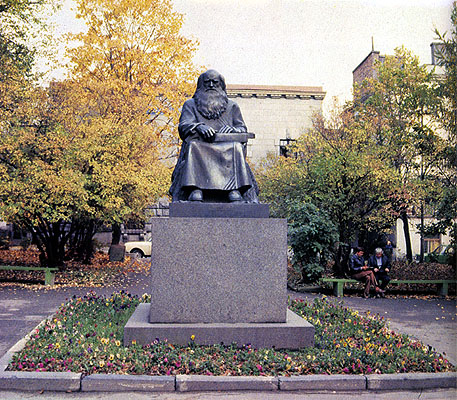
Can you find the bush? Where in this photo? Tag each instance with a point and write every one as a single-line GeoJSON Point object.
{"type": "Point", "coordinates": [311, 236]}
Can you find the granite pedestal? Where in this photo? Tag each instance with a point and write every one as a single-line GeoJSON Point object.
{"type": "Point", "coordinates": [294, 333]}
{"type": "Point", "coordinates": [223, 270]}
{"type": "Point", "coordinates": [220, 279]}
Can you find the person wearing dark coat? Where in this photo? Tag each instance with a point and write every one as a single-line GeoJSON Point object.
{"type": "Point", "coordinates": [363, 273]}
{"type": "Point", "coordinates": [380, 265]}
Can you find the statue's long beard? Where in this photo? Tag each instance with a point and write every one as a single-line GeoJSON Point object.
{"type": "Point", "coordinates": [212, 103]}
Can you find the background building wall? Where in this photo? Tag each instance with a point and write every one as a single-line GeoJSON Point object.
{"type": "Point", "coordinates": [273, 113]}
{"type": "Point", "coordinates": [414, 235]}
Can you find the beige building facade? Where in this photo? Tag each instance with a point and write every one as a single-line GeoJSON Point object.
{"type": "Point", "coordinates": [275, 114]}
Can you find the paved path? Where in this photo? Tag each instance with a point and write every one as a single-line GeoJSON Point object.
{"type": "Point", "coordinates": [409, 395]}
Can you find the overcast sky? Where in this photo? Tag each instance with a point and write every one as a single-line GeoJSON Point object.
{"type": "Point", "coordinates": [302, 42]}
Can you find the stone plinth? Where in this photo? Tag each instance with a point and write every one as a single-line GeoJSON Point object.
{"type": "Point", "coordinates": [219, 270]}
{"type": "Point", "coordinates": [293, 334]}
{"type": "Point", "coordinates": [219, 210]}
{"type": "Point", "coordinates": [219, 280]}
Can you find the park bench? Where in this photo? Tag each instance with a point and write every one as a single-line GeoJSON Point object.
{"type": "Point", "coordinates": [49, 273]}
{"type": "Point", "coordinates": [442, 284]}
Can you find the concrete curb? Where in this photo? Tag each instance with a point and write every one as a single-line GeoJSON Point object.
{"type": "Point", "coordinates": [335, 383]}
{"type": "Point", "coordinates": [69, 381]}
{"type": "Point", "coordinates": [412, 381]}
{"type": "Point", "coordinates": [7, 357]}
{"type": "Point", "coordinates": [127, 383]}
{"type": "Point", "coordinates": [205, 383]}
{"type": "Point", "coordinates": [37, 381]}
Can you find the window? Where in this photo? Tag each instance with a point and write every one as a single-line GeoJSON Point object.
{"type": "Point", "coordinates": [431, 243]}
{"type": "Point", "coordinates": [284, 147]}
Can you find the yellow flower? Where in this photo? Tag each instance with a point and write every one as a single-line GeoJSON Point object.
{"type": "Point", "coordinates": [192, 337]}
{"type": "Point", "coordinates": [118, 343]}
{"type": "Point", "coordinates": [111, 357]}
{"type": "Point", "coordinates": [101, 363]}
{"type": "Point", "coordinates": [57, 346]}
{"type": "Point", "coordinates": [133, 341]}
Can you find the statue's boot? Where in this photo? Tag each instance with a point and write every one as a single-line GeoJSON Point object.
{"type": "Point", "coordinates": [196, 195]}
{"type": "Point", "coordinates": [234, 196]}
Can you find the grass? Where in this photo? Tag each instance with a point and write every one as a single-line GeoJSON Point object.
{"type": "Point", "coordinates": [85, 335]}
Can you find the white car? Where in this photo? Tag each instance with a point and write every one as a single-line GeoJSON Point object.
{"type": "Point", "coordinates": [143, 249]}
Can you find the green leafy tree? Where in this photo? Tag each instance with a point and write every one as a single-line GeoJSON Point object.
{"type": "Point", "coordinates": [338, 169]}
{"type": "Point", "coordinates": [399, 116]}
{"type": "Point", "coordinates": [19, 23]}
{"type": "Point", "coordinates": [446, 199]}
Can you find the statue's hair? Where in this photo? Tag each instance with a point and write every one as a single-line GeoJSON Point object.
{"type": "Point", "coordinates": [202, 77]}
{"type": "Point", "coordinates": [378, 250]}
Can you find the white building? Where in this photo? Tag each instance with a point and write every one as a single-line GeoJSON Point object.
{"type": "Point", "coordinates": [275, 114]}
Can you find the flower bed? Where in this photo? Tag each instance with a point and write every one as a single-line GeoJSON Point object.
{"type": "Point", "coordinates": [86, 336]}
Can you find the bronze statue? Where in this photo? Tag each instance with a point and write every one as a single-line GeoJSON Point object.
{"type": "Point", "coordinates": [212, 163]}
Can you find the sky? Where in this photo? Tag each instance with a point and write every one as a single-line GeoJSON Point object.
{"type": "Point", "coordinates": [300, 42]}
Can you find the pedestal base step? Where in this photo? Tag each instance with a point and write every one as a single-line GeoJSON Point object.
{"type": "Point", "coordinates": [295, 333]}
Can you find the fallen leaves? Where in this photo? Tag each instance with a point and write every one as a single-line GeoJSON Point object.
{"type": "Point", "coordinates": [101, 272]}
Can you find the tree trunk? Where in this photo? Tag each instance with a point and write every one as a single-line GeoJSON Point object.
{"type": "Point", "coordinates": [81, 240]}
{"type": "Point", "coordinates": [409, 252]}
{"type": "Point", "coordinates": [116, 234]}
{"type": "Point", "coordinates": [341, 259]}
{"type": "Point", "coordinates": [422, 244]}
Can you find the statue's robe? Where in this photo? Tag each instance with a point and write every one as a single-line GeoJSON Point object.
{"type": "Point", "coordinates": [210, 166]}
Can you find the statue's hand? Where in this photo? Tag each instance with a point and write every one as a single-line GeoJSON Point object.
{"type": "Point", "coordinates": [226, 129]}
{"type": "Point", "coordinates": [206, 132]}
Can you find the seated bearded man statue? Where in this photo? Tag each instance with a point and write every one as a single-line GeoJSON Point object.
{"type": "Point", "coordinates": [210, 168]}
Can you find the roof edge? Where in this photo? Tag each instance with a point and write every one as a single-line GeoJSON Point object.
{"type": "Point", "coordinates": [270, 90]}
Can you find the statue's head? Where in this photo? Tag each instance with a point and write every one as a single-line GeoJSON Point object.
{"type": "Point", "coordinates": [210, 80]}
{"type": "Point", "coordinates": [210, 96]}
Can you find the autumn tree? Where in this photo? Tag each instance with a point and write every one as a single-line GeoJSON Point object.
{"type": "Point", "coordinates": [130, 75]}
{"type": "Point", "coordinates": [338, 170]}
{"type": "Point", "coordinates": [98, 150]}
{"type": "Point", "coordinates": [399, 115]}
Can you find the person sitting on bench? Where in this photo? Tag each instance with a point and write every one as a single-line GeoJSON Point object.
{"type": "Point", "coordinates": [380, 265]}
{"type": "Point", "coordinates": [363, 273]}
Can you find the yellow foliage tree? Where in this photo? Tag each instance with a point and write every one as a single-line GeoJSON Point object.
{"type": "Point", "coordinates": [129, 75]}
{"type": "Point", "coordinates": [97, 147]}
